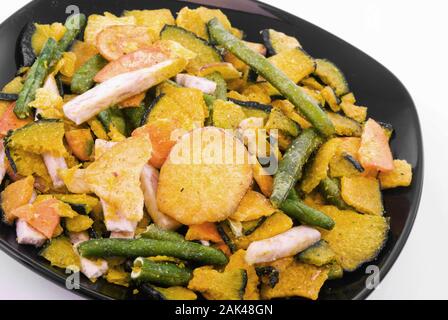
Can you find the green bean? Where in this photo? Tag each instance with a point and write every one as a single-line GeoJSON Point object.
{"type": "Point", "coordinates": [160, 273]}
{"type": "Point", "coordinates": [309, 108]}
{"type": "Point", "coordinates": [185, 250]}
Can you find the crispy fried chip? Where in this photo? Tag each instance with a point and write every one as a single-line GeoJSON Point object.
{"type": "Point", "coordinates": [296, 280]}
{"type": "Point", "coordinates": [204, 178]}
{"type": "Point", "coordinates": [254, 205]}
{"type": "Point", "coordinates": [356, 238]}
{"type": "Point", "coordinates": [237, 262]}
{"type": "Point", "coordinates": [115, 177]}
{"type": "Point", "coordinates": [319, 167]}
{"type": "Point", "coordinates": [363, 194]}
{"type": "Point", "coordinates": [274, 225]}
{"type": "Point", "coordinates": [401, 176]}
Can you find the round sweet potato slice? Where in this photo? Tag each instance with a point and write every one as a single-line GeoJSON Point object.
{"type": "Point", "coordinates": [204, 178]}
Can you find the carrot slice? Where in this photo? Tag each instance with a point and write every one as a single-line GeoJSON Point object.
{"type": "Point", "coordinates": [42, 216]}
{"type": "Point", "coordinates": [139, 59]}
{"type": "Point", "coordinates": [159, 133]}
{"type": "Point", "coordinates": [204, 231]}
{"type": "Point", "coordinates": [9, 121]}
{"type": "Point", "coordinates": [374, 152]}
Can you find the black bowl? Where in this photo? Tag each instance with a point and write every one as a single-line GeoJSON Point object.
{"type": "Point", "coordinates": [374, 86]}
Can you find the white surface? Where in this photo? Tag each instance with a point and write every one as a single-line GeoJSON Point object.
{"type": "Point", "coordinates": [407, 37]}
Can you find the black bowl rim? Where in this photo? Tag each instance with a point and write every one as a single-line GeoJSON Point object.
{"type": "Point", "coordinates": [363, 294]}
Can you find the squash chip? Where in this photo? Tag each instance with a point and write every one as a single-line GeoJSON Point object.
{"type": "Point", "coordinates": [356, 113]}
{"type": "Point", "coordinates": [97, 23]}
{"type": "Point", "coordinates": [227, 115]}
{"type": "Point", "coordinates": [115, 177]}
{"type": "Point", "coordinates": [253, 206]}
{"type": "Point", "coordinates": [60, 253]}
{"type": "Point", "coordinates": [16, 195]}
{"type": "Point", "coordinates": [356, 238]}
{"type": "Point", "coordinates": [237, 261]}
{"type": "Point", "coordinates": [214, 285]}
{"type": "Point", "coordinates": [363, 194]}
{"type": "Point", "coordinates": [195, 20]}
{"type": "Point", "coordinates": [320, 164]}
{"type": "Point", "coordinates": [274, 225]}
{"type": "Point", "coordinates": [200, 166]}
{"type": "Point", "coordinates": [154, 19]}
{"type": "Point", "coordinates": [39, 137]}
{"type": "Point", "coordinates": [339, 166]}
{"type": "Point", "coordinates": [400, 176]}
{"type": "Point", "coordinates": [296, 279]}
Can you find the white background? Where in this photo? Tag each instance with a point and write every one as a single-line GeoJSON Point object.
{"type": "Point", "coordinates": [408, 37]}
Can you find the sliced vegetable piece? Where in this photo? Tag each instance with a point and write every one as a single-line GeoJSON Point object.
{"type": "Point", "coordinates": [237, 262]}
{"type": "Point", "coordinates": [82, 80]}
{"type": "Point", "coordinates": [171, 293]}
{"type": "Point", "coordinates": [296, 279]}
{"type": "Point", "coordinates": [331, 98]}
{"type": "Point", "coordinates": [139, 59]}
{"type": "Point", "coordinates": [356, 113]}
{"type": "Point", "coordinates": [200, 83]}
{"type": "Point", "coordinates": [282, 245]}
{"type": "Point", "coordinates": [92, 102]}
{"type": "Point", "coordinates": [319, 167]}
{"type": "Point", "coordinates": [45, 31]}
{"type": "Point", "coordinates": [278, 120]}
{"type": "Point", "coordinates": [214, 285]}
{"type": "Point", "coordinates": [205, 52]}
{"type": "Point", "coordinates": [227, 115]}
{"type": "Point", "coordinates": [160, 273]}
{"type": "Point", "coordinates": [97, 23]}
{"type": "Point", "coordinates": [274, 225]}
{"type": "Point", "coordinates": [221, 85]}
{"type": "Point", "coordinates": [330, 74]}
{"type": "Point", "coordinates": [374, 152]}
{"type": "Point", "coordinates": [288, 109]}
{"type": "Point", "coordinates": [253, 206]}
{"type": "Point", "coordinates": [195, 20]}
{"type": "Point", "coordinates": [340, 165]}
{"type": "Point", "coordinates": [28, 235]}
{"type": "Point", "coordinates": [363, 194]}
{"type": "Point", "coordinates": [295, 63]}
{"type": "Point", "coordinates": [345, 126]}
{"type": "Point", "coordinates": [61, 253]}
{"type": "Point", "coordinates": [148, 247]}
{"type": "Point", "coordinates": [118, 40]}
{"type": "Point", "coordinates": [15, 195]}
{"type": "Point", "coordinates": [80, 142]}
{"type": "Point", "coordinates": [78, 223]}
{"type": "Point", "coordinates": [227, 70]}
{"type": "Point", "coordinates": [42, 216]}
{"type": "Point", "coordinates": [182, 107]}
{"type": "Point", "coordinates": [9, 121]}
{"type": "Point", "coordinates": [154, 19]}
{"type": "Point", "coordinates": [276, 41]}
{"type": "Point", "coordinates": [318, 254]}
{"type": "Point", "coordinates": [249, 227]}
{"type": "Point", "coordinates": [42, 136]}
{"type": "Point", "coordinates": [400, 176]}
{"type": "Point", "coordinates": [186, 191]}
{"type": "Point", "coordinates": [290, 167]}
{"type": "Point", "coordinates": [356, 238]}
{"type": "Point", "coordinates": [149, 182]}
{"type": "Point", "coordinates": [206, 231]}
{"type": "Point", "coordinates": [332, 193]}
{"type": "Point", "coordinates": [273, 75]}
